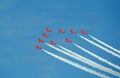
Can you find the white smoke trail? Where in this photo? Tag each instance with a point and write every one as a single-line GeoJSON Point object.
{"type": "Point", "coordinates": [85, 60]}
{"type": "Point", "coordinates": [105, 44]}
{"type": "Point", "coordinates": [76, 65]}
{"type": "Point", "coordinates": [101, 47]}
{"type": "Point", "coordinates": [90, 62]}
{"type": "Point", "coordinates": [98, 57]}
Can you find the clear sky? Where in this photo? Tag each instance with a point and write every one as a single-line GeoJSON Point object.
{"type": "Point", "coordinates": [23, 21]}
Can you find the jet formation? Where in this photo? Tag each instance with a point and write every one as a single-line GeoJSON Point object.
{"type": "Point", "coordinates": [59, 31]}
{"type": "Point", "coordinates": [99, 44]}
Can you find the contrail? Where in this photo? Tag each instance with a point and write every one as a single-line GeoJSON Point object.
{"type": "Point", "coordinates": [99, 46]}
{"type": "Point", "coordinates": [85, 60]}
{"type": "Point", "coordinates": [96, 56]}
{"type": "Point", "coordinates": [90, 62]}
{"type": "Point", "coordinates": [76, 65]}
{"type": "Point", "coordinates": [105, 44]}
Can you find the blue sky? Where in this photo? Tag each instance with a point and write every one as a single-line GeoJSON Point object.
{"type": "Point", "coordinates": [23, 21]}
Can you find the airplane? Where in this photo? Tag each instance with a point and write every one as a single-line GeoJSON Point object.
{"type": "Point", "coordinates": [68, 40]}
{"type": "Point", "coordinates": [52, 42]}
{"type": "Point", "coordinates": [83, 32]}
{"type": "Point", "coordinates": [38, 47]}
{"type": "Point", "coordinates": [45, 35]}
{"type": "Point", "coordinates": [73, 31]}
{"type": "Point", "coordinates": [61, 31]}
{"type": "Point", "coordinates": [48, 30]}
{"type": "Point", "coordinates": [41, 41]}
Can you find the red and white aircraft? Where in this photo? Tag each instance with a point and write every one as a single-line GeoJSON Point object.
{"type": "Point", "coordinates": [73, 32]}
{"type": "Point", "coordinates": [38, 47]}
{"type": "Point", "coordinates": [41, 41]}
{"type": "Point", "coordinates": [61, 31]}
{"type": "Point", "coordinates": [45, 35]}
{"type": "Point", "coordinates": [83, 32]}
{"type": "Point", "coordinates": [48, 30]}
{"type": "Point", "coordinates": [68, 40]}
{"type": "Point", "coordinates": [52, 42]}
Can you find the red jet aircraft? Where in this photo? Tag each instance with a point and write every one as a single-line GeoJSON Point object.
{"type": "Point", "coordinates": [68, 40]}
{"type": "Point", "coordinates": [41, 41]}
{"type": "Point", "coordinates": [45, 35]}
{"type": "Point", "coordinates": [73, 31]}
{"type": "Point", "coordinates": [52, 42]}
{"type": "Point", "coordinates": [48, 30]}
{"type": "Point", "coordinates": [38, 47]}
{"type": "Point", "coordinates": [61, 31]}
{"type": "Point", "coordinates": [83, 32]}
